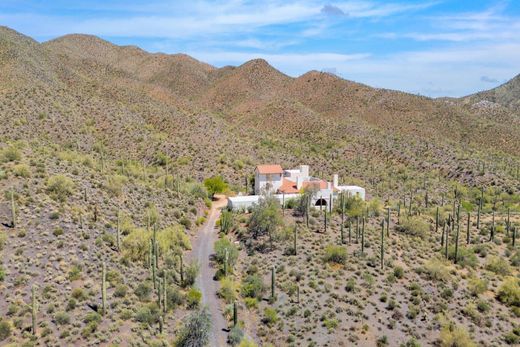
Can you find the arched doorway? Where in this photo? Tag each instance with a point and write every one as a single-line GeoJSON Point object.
{"type": "Point", "coordinates": [321, 202]}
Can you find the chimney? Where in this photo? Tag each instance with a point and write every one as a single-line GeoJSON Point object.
{"type": "Point", "coordinates": [299, 182]}
{"type": "Point", "coordinates": [304, 171]}
{"type": "Point", "coordinates": [329, 185]}
{"type": "Point", "coordinates": [335, 181]}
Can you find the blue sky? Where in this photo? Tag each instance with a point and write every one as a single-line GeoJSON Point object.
{"type": "Point", "coordinates": [434, 48]}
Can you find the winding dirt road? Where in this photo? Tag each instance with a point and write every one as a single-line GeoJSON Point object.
{"type": "Point", "coordinates": [202, 251]}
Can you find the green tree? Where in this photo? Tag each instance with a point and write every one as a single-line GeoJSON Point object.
{"type": "Point", "coordinates": [215, 185]}
{"type": "Point", "coordinates": [196, 329]}
{"type": "Point", "coordinates": [266, 217]}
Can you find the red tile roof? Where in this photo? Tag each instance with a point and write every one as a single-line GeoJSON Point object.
{"type": "Point", "coordinates": [288, 187]}
{"type": "Point", "coordinates": [321, 184]}
{"type": "Point", "coordinates": [269, 169]}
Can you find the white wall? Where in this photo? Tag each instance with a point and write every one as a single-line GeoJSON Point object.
{"type": "Point", "coordinates": [261, 182]}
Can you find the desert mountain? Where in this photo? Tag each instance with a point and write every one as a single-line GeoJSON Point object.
{"type": "Point", "coordinates": [138, 103]}
{"type": "Point", "coordinates": [506, 95]}
{"type": "Point", "coordinates": [106, 227]}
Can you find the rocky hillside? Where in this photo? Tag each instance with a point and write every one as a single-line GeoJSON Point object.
{"type": "Point", "coordinates": [92, 131]}
{"type": "Point", "coordinates": [507, 95]}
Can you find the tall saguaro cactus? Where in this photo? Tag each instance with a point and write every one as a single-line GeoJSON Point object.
{"type": "Point", "coordinates": [342, 227]}
{"type": "Point", "coordinates": [13, 210]}
{"type": "Point", "coordinates": [34, 309]}
{"type": "Point", "coordinates": [468, 224]}
{"type": "Point", "coordinates": [295, 239]}
{"type": "Point", "coordinates": [388, 222]}
{"type": "Point", "coordinates": [118, 238]}
{"type": "Point", "coordinates": [273, 283]}
{"type": "Point", "coordinates": [457, 242]}
{"type": "Point", "coordinates": [103, 289]}
{"type": "Point", "coordinates": [363, 237]}
{"type": "Point", "coordinates": [235, 314]}
{"type": "Point", "coordinates": [382, 243]}
{"type": "Point", "coordinates": [437, 219]}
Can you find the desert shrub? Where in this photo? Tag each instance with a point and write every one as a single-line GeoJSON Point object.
{"type": "Point", "coordinates": [466, 257]}
{"type": "Point", "coordinates": [2, 273]}
{"type": "Point", "coordinates": [414, 225]}
{"type": "Point", "coordinates": [190, 273]}
{"type": "Point", "coordinates": [436, 270]}
{"type": "Point", "coordinates": [247, 343]}
{"type": "Point", "coordinates": [174, 297]}
{"type": "Point", "coordinates": [477, 286]}
{"type": "Point", "coordinates": [227, 290]}
{"type": "Point", "coordinates": [186, 222]}
{"type": "Point", "coordinates": [22, 170]}
{"type": "Point", "coordinates": [221, 246]}
{"type": "Point", "coordinates": [398, 272]}
{"type": "Point", "coordinates": [453, 335]}
{"type": "Point", "coordinates": [195, 331]}
{"type": "Point", "coordinates": [60, 187]}
{"type": "Point", "coordinates": [335, 254]}
{"type": "Point", "coordinates": [136, 244]}
{"type": "Point", "coordinates": [148, 314]}
{"type": "Point", "coordinates": [79, 294]}
{"type": "Point", "coordinates": [10, 153]}
{"type": "Point", "coordinates": [266, 217]}
{"type": "Point", "coordinates": [172, 239]}
{"type": "Point", "coordinates": [193, 297]}
{"type": "Point", "coordinates": [235, 336]}
{"type": "Point", "coordinates": [5, 330]}
{"type": "Point", "coordinates": [354, 206]}
{"type": "Point", "coordinates": [198, 191]}
{"type": "Point", "coordinates": [509, 291]}
{"type": "Point", "coordinates": [270, 316]}
{"type": "Point", "coordinates": [75, 273]}
{"type": "Point", "coordinates": [120, 291]}
{"type": "Point", "coordinates": [62, 318]}
{"type": "Point", "coordinates": [252, 287]}
{"type": "Point", "coordinates": [513, 337]}
{"type": "Point", "coordinates": [498, 265]}
{"type": "Point", "coordinates": [115, 184]}
{"type": "Point", "coordinates": [143, 291]}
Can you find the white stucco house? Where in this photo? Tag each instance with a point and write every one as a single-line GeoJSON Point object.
{"type": "Point", "coordinates": [287, 184]}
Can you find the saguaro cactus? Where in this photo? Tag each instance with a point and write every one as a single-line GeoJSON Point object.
{"type": "Point", "coordinates": [118, 236]}
{"type": "Point", "coordinates": [13, 210]}
{"type": "Point", "coordinates": [446, 241]}
{"type": "Point", "coordinates": [226, 259]}
{"type": "Point", "coordinates": [508, 221]}
{"type": "Point", "coordinates": [34, 309]}
{"type": "Point", "coordinates": [103, 289]}
{"type": "Point", "coordinates": [437, 219]}
{"type": "Point", "coordinates": [514, 236]}
{"type": "Point", "coordinates": [164, 294]}
{"type": "Point", "coordinates": [273, 282]}
{"type": "Point", "coordinates": [468, 224]}
{"type": "Point", "coordinates": [388, 222]}
{"type": "Point", "coordinates": [479, 209]}
{"type": "Point", "coordinates": [325, 219]}
{"type": "Point", "coordinates": [182, 269]}
{"type": "Point", "coordinates": [382, 243]}
{"type": "Point", "coordinates": [342, 227]}
{"type": "Point", "coordinates": [154, 273]}
{"type": "Point", "coordinates": [349, 231]}
{"type": "Point", "coordinates": [235, 314]}
{"type": "Point", "coordinates": [398, 212]}
{"type": "Point", "coordinates": [363, 236]}
{"type": "Point", "coordinates": [492, 231]}
{"type": "Point", "coordinates": [457, 243]}
{"type": "Point", "coordinates": [295, 239]}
